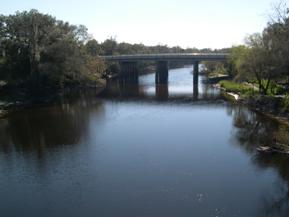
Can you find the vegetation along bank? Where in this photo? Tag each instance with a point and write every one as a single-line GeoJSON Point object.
{"type": "Point", "coordinates": [259, 70]}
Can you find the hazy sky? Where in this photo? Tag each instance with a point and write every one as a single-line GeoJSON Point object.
{"type": "Point", "coordinates": [187, 23]}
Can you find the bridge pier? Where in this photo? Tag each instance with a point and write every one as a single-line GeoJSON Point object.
{"type": "Point", "coordinates": [128, 72]}
{"type": "Point", "coordinates": [162, 91]}
{"type": "Point", "coordinates": [196, 73]}
{"type": "Point", "coordinates": [195, 91]}
{"type": "Point", "coordinates": [162, 72]}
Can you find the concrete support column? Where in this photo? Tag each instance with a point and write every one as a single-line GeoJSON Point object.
{"type": "Point", "coordinates": [129, 72]}
{"type": "Point", "coordinates": [196, 73]}
{"type": "Point", "coordinates": [162, 72]}
{"type": "Point", "coordinates": [195, 91]}
{"type": "Point", "coordinates": [162, 91]}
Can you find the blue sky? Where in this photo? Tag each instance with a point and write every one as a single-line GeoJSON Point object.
{"type": "Point", "coordinates": [187, 23]}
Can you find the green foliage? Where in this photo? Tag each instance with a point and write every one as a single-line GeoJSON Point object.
{"type": "Point", "coordinates": [286, 102]}
{"type": "Point", "coordinates": [276, 89]}
{"type": "Point", "coordinates": [235, 87]}
{"type": "Point", "coordinates": [38, 51]}
{"type": "Point", "coordinates": [109, 46]}
{"type": "Point", "coordinates": [265, 58]}
{"type": "Point", "coordinates": [215, 68]}
{"type": "Point", "coordinates": [93, 48]}
{"type": "Point", "coordinates": [237, 61]}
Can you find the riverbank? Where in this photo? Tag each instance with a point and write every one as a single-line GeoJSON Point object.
{"type": "Point", "coordinates": [16, 99]}
{"type": "Point", "coordinates": [273, 106]}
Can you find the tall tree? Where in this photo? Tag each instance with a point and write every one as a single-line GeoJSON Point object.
{"type": "Point", "coordinates": [30, 30]}
{"type": "Point", "coordinates": [37, 47]}
{"type": "Point", "coordinates": [260, 62]}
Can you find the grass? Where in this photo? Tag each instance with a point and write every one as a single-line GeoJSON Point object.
{"type": "Point", "coordinates": [240, 88]}
{"type": "Point", "coordinates": [286, 103]}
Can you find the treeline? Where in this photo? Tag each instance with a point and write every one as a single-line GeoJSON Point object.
{"type": "Point", "coordinates": [38, 52]}
{"type": "Point", "coordinates": [112, 47]}
{"type": "Point", "coordinates": [264, 59]}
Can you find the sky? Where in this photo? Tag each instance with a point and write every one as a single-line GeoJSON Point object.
{"type": "Point", "coordinates": [185, 23]}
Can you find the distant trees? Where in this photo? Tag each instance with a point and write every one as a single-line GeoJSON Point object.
{"type": "Point", "coordinates": [37, 50]}
{"type": "Point", "coordinates": [93, 48]}
{"type": "Point", "coordinates": [111, 47]}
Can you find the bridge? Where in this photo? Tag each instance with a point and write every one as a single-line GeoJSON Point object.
{"type": "Point", "coordinates": [129, 63]}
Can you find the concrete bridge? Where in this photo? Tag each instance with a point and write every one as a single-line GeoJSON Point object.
{"type": "Point", "coordinates": [129, 63]}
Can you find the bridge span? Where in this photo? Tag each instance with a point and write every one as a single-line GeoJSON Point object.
{"type": "Point", "coordinates": [169, 57]}
{"type": "Point", "coordinates": [129, 70]}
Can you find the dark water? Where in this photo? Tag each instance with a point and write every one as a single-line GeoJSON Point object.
{"type": "Point", "coordinates": [155, 152]}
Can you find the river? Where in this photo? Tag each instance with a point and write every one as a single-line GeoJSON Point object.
{"type": "Point", "coordinates": [142, 151]}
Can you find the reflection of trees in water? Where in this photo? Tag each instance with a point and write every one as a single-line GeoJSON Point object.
{"type": "Point", "coordinates": [41, 128]}
{"type": "Point", "coordinates": [121, 88]}
{"type": "Point", "coordinates": [251, 130]}
{"type": "Point", "coordinates": [277, 203]}
{"type": "Point", "coordinates": [5, 141]}
{"type": "Point", "coordinates": [209, 92]}
{"type": "Point", "coordinates": [277, 206]}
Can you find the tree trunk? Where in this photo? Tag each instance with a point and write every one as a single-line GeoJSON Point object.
{"type": "Point", "coordinates": [34, 51]}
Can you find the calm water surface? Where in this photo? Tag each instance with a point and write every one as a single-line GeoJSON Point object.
{"type": "Point", "coordinates": [145, 151]}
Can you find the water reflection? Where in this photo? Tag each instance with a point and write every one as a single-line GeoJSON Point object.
{"type": "Point", "coordinates": [161, 92]}
{"type": "Point", "coordinates": [251, 130]}
{"type": "Point", "coordinates": [43, 128]}
{"type": "Point", "coordinates": [276, 203]}
{"type": "Point", "coordinates": [143, 150]}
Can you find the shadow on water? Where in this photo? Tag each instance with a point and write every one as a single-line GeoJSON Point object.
{"type": "Point", "coordinates": [251, 130]}
{"type": "Point", "coordinates": [39, 129]}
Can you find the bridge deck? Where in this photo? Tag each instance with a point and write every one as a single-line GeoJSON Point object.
{"type": "Point", "coordinates": [169, 57]}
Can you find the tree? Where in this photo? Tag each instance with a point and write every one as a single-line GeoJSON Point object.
{"type": "Point", "coordinates": [260, 62]}
{"type": "Point", "coordinates": [37, 50]}
{"type": "Point", "coordinates": [236, 62]}
{"type": "Point", "coordinates": [109, 46]}
{"type": "Point", "coordinates": [93, 48]}
{"type": "Point", "coordinates": [30, 31]}
{"type": "Point", "coordinates": [276, 35]}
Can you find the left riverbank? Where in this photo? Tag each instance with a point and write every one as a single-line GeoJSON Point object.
{"type": "Point", "coordinates": [17, 99]}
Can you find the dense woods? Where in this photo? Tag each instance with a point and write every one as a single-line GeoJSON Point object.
{"type": "Point", "coordinates": [38, 52]}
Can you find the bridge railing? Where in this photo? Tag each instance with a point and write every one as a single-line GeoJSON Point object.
{"type": "Point", "coordinates": [168, 56]}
